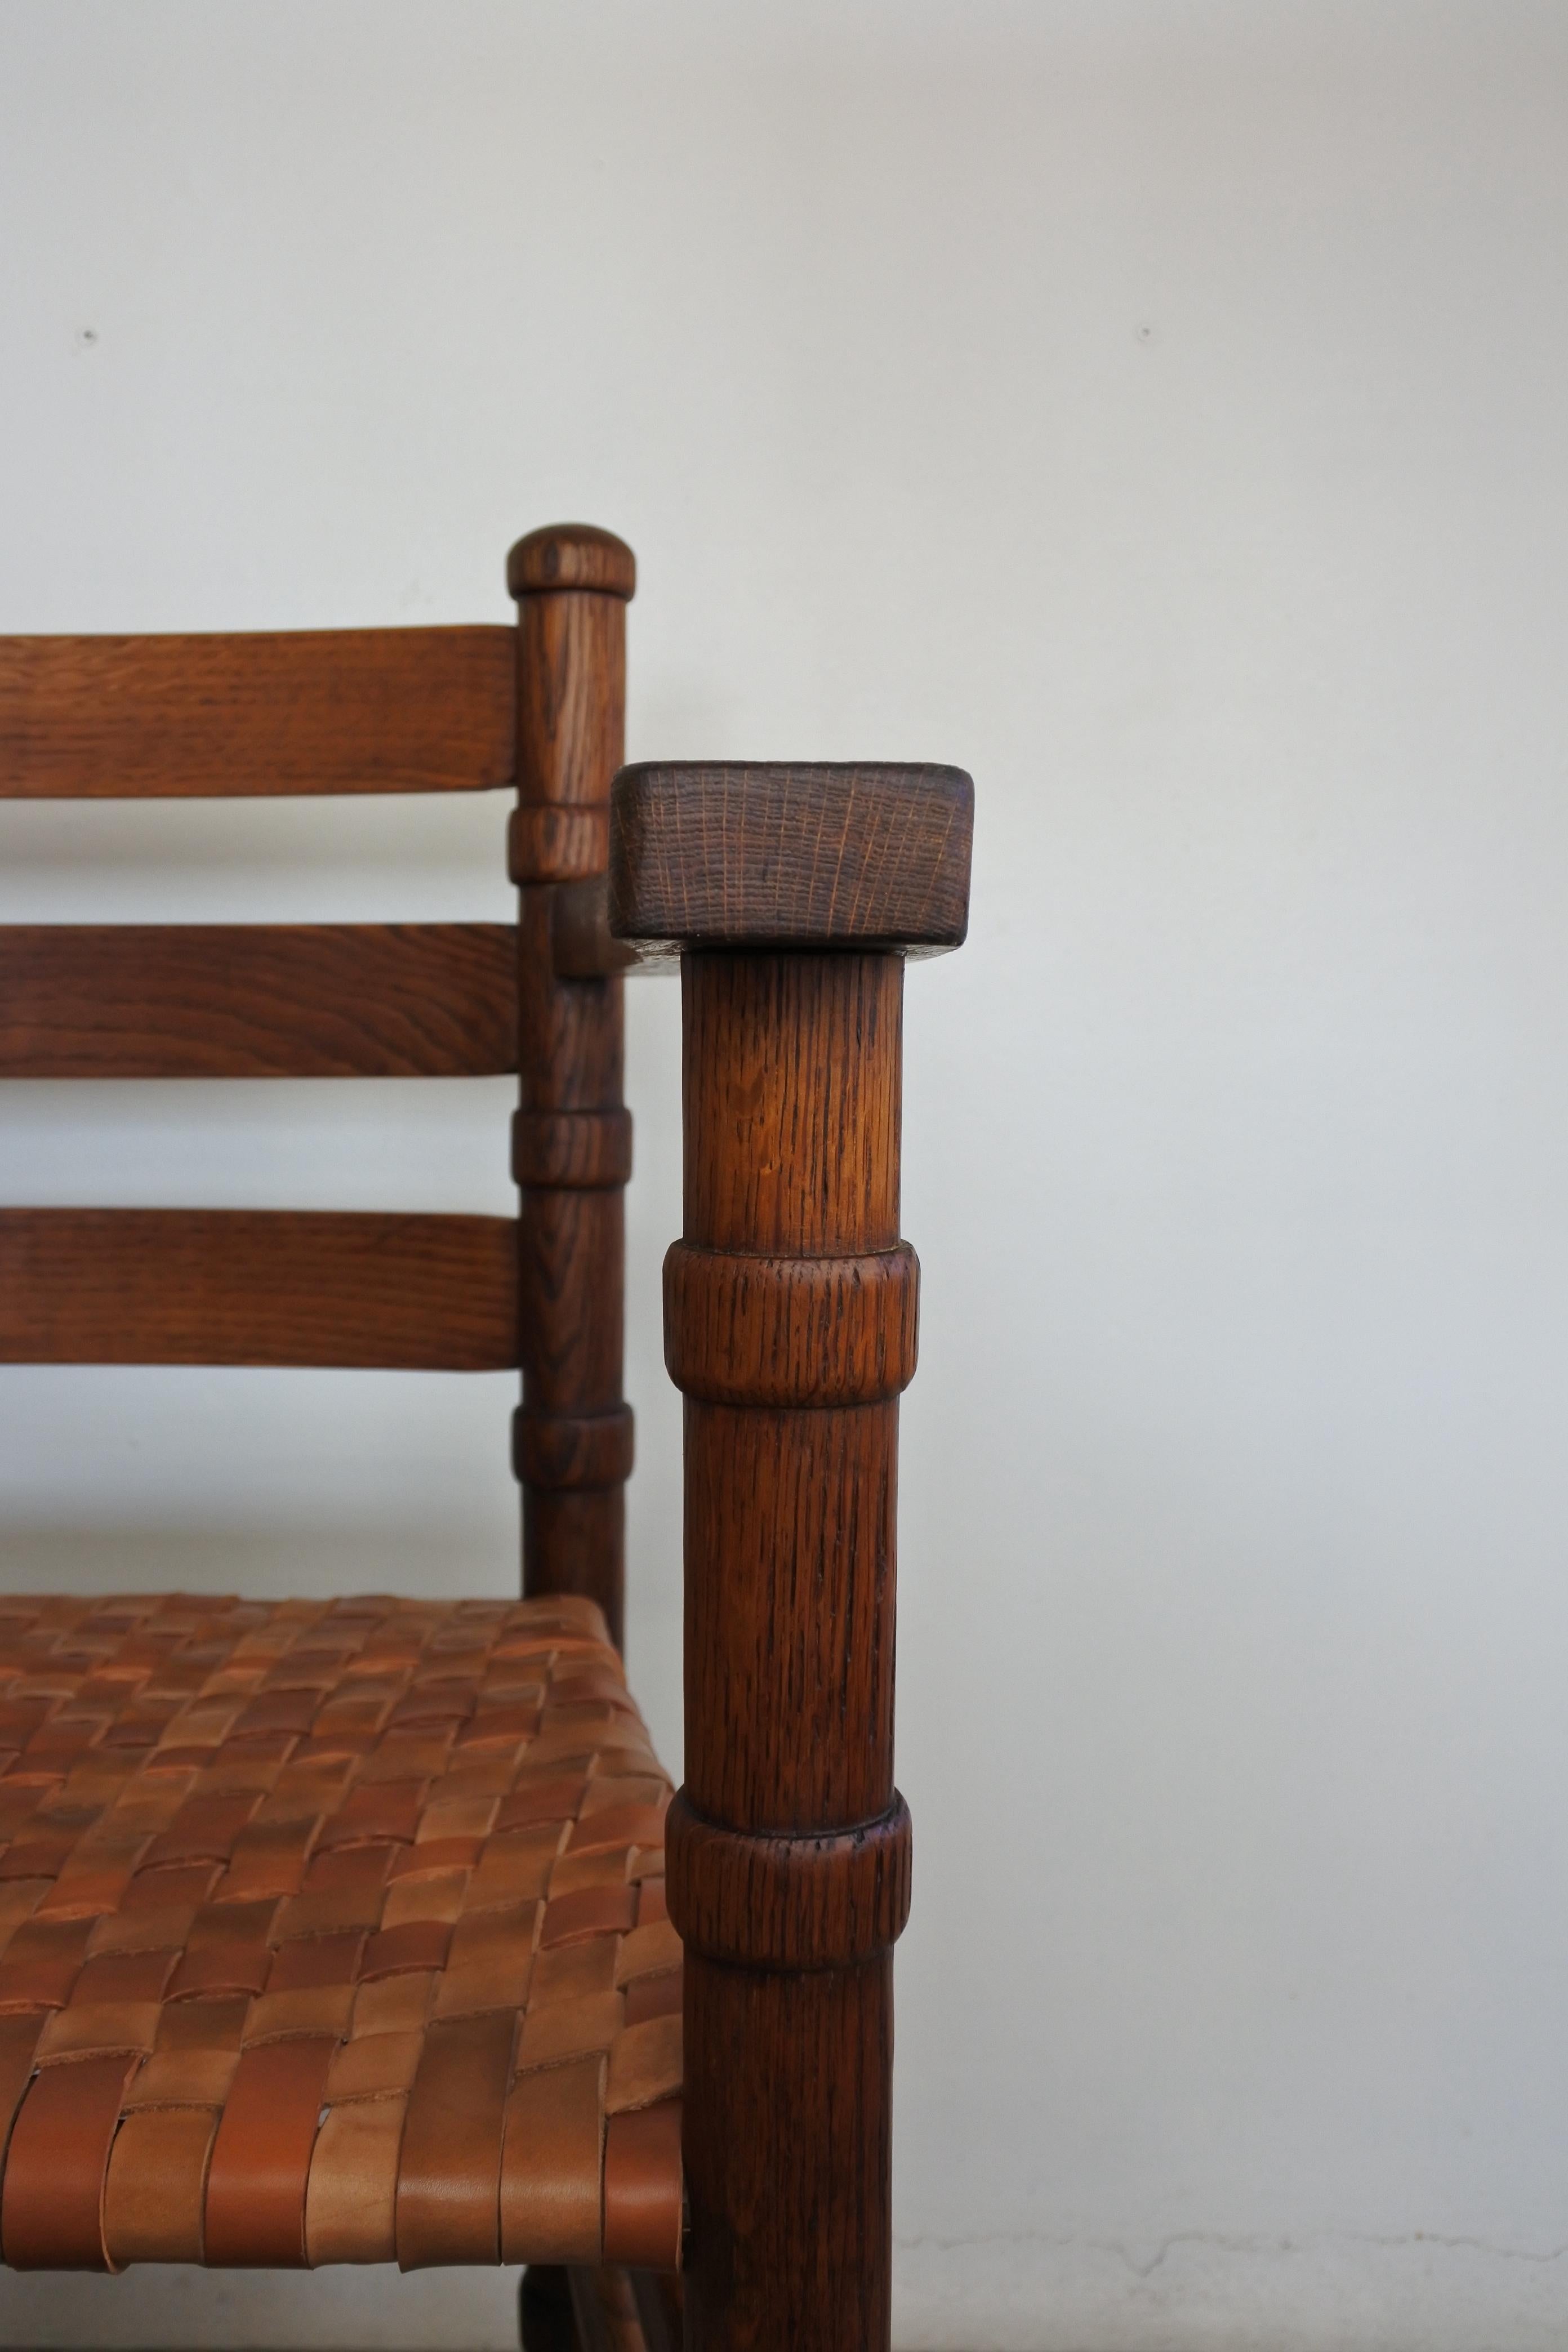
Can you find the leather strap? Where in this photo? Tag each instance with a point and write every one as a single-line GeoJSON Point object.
{"type": "Point", "coordinates": [19, 2042]}
{"type": "Point", "coordinates": [261, 2160]}
{"type": "Point", "coordinates": [552, 2159]}
{"type": "Point", "coordinates": [449, 2188]}
{"type": "Point", "coordinates": [642, 2216]}
{"type": "Point", "coordinates": [52, 2214]}
{"type": "Point", "coordinates": [350, 2208]}
{"type": "Point", "coordinates": [157, 2184]}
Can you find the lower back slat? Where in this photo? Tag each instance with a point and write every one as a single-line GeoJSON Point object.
{"type": "Point", "coordinates": [303, 710]}
{"type": "Point", "coordinates": [257, 1287]}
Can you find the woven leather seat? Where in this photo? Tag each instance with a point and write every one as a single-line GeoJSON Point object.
{"type": "Point", "coordinates": [331, 1931]}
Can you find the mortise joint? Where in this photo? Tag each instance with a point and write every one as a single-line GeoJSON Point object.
{"type": "Point", "coordinates": [572, 1450]}
{"type": "Point", "coordinates": [558, 841]}
{"type": "Point", "coordinates": [572, 1151]}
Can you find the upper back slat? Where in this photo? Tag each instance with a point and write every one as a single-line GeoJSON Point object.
{"type": "Point", "coordinates": [342, 711]}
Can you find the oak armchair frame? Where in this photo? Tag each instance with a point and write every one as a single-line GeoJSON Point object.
{"type": "Point", "coordinates": [789, 896]}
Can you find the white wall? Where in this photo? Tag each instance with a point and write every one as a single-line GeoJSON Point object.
{"type": "Point", "coordinates": [1159, 408]}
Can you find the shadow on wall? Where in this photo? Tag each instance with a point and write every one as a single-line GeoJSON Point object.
{"type": "Point", "coordinates": [312, 1560]}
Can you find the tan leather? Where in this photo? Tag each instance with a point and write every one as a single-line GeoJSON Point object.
{"type": "Point", "coordinates": [156, 2191]}
{"type": "Point", "coordinates": [204, 2024]}
{"type": "Point", "coordinates": [642, 2188]}
{"type": "Point", "coordinates": [647, 1951]}
{"type": "Point", "coordinates": [374, 2067]}
{"type": "Point", "coordinates": [261, 2157]}
{"type": "Point", "coordinates": [449, 2174]}
{"type": "Point", "coordinates": [559, 2030]}
{"type": "Point", "coordinates": [647, 1997]}
{"type": "Point", "coordinates": [644, 2065]}
{"type": "Point", "coordinates": [51, 2212]}
{"type": "Point", "coordinates": [330, 1932]}
{"type": "Point", "coordinates": [183, 2078]}
{"type": "Point", "coordinates": [552, 2201]}
{"type": "Point", "coordinates": [351, 2205]}
{"type": "Point", "coordinates": [395, 2004]}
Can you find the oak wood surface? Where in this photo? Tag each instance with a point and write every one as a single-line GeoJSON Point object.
{"type": "Point", "coordinates": [823, 1899]}
{"type": "Point", "coordinates": [790, 1324]}
{"type": "Point", "coordinates": [311, 710]}
{"type": "Point", "coordinates": [571, 555]}
{"type": "Point", "coordinates": [773, 853]}
{"type": "Point", "coordinates": [790, 1109]}
{"type": "Point", "coordinates": [572, 1148]}
{"type": "Point", "coordinates": [581, 939]}
{"type": "Point", "coordinates": [570, 717]}
{"type": "Point", "coordinates": [660, 2308]}
{"type": "Point", "coordinates": [744, 1329]}
{"type": "Point", "coordinates": [361, 1000]}
{"type": "Point", "coordinates": [792, 1092]}
{"type": "Point", "coordinates": [257, 1287]}
{"type": "Point", "coordinates": [789, 2157]}
{"type": "Point", "coordinates": [604, 2312]}
{"type": "Point", "coordinates": [573, 1441]}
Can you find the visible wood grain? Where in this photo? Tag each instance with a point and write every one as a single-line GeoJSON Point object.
{"type": "Point", "coordinates": [791, 1095]}
{"type": "Point", "coordinates": [790, 1304]}
{"type": "Point", "coordinates": [572, 1141]}
{"type": "Point", "coordinates": [581, 939]}
{"type": "Point", "coordinates": [790, 1536]}
{"type": "Point", "coordinates": [257, 1287]}
{"type": "Point", "coordinates": [134, 1000]}
{"type": "Point", "coordinates": [571, 707]}
{"type": "Point", "coordinates": [571, 555]}
{"type": "Point", "coordinates": [574, 1149]}
{"type": "Point", "coordinates": [604, 2311]}
{"type": "Point", "coordinates": [743, 1329]}
{"type": "Point", "coordinates": [550, 841]}
{"type": "Point", "coordinates": [791, 1098]}
{"type": "Point", "coordinates": [827, 1899]}
{"type": "Point", "coordinates": [558, 1450]}
{"type": "Point", "coordinates": [764, 854]}
{"type": "Point", "coordinates": [313, 710]}
{"type": "Point", "coordinates": [789, 2157]}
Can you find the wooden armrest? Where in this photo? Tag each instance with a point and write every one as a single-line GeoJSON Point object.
{"type": "Point", "coordinates": [756, 854]}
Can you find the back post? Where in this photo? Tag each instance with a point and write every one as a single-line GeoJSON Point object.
{"type": "Point", "coordinates": [571, 1136]}
{"type": "Point", "coordinates": [790, 1305]}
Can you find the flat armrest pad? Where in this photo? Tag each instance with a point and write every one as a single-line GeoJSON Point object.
{"type": "Point", "coordinates": [755, 853]}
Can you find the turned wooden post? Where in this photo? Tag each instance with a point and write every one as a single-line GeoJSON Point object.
{"type": "Point", "coordinates": [790, 1326]}
{"type": "Point", "coordinates": [572, 1139]}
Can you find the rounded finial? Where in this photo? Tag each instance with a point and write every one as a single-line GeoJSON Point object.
{"type": "Point", "coordinates": [572, 555]}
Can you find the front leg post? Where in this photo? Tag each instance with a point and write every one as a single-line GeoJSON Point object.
{"type": "Point", "coordinates": [790, 1306]}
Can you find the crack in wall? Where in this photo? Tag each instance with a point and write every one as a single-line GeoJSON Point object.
{"type": "Point", "coordinates": [1230, 2244]}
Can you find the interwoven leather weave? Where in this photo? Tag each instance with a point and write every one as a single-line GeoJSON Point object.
{"type": "Point", "coordinates": [330, 1932]}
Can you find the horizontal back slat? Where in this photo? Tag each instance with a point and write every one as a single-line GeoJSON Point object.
{"type": "Point", "coordinates": [311, 710]}
{"type": "Point", "coordinates": [354, 999]}
{"type": "Point", "coordinates": [257, 1287]}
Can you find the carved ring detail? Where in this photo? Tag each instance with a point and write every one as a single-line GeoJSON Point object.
{"type": "Point", "coordinates": [829, 1331]}
{"type": "Point", "coordinates": [789, 1903]}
